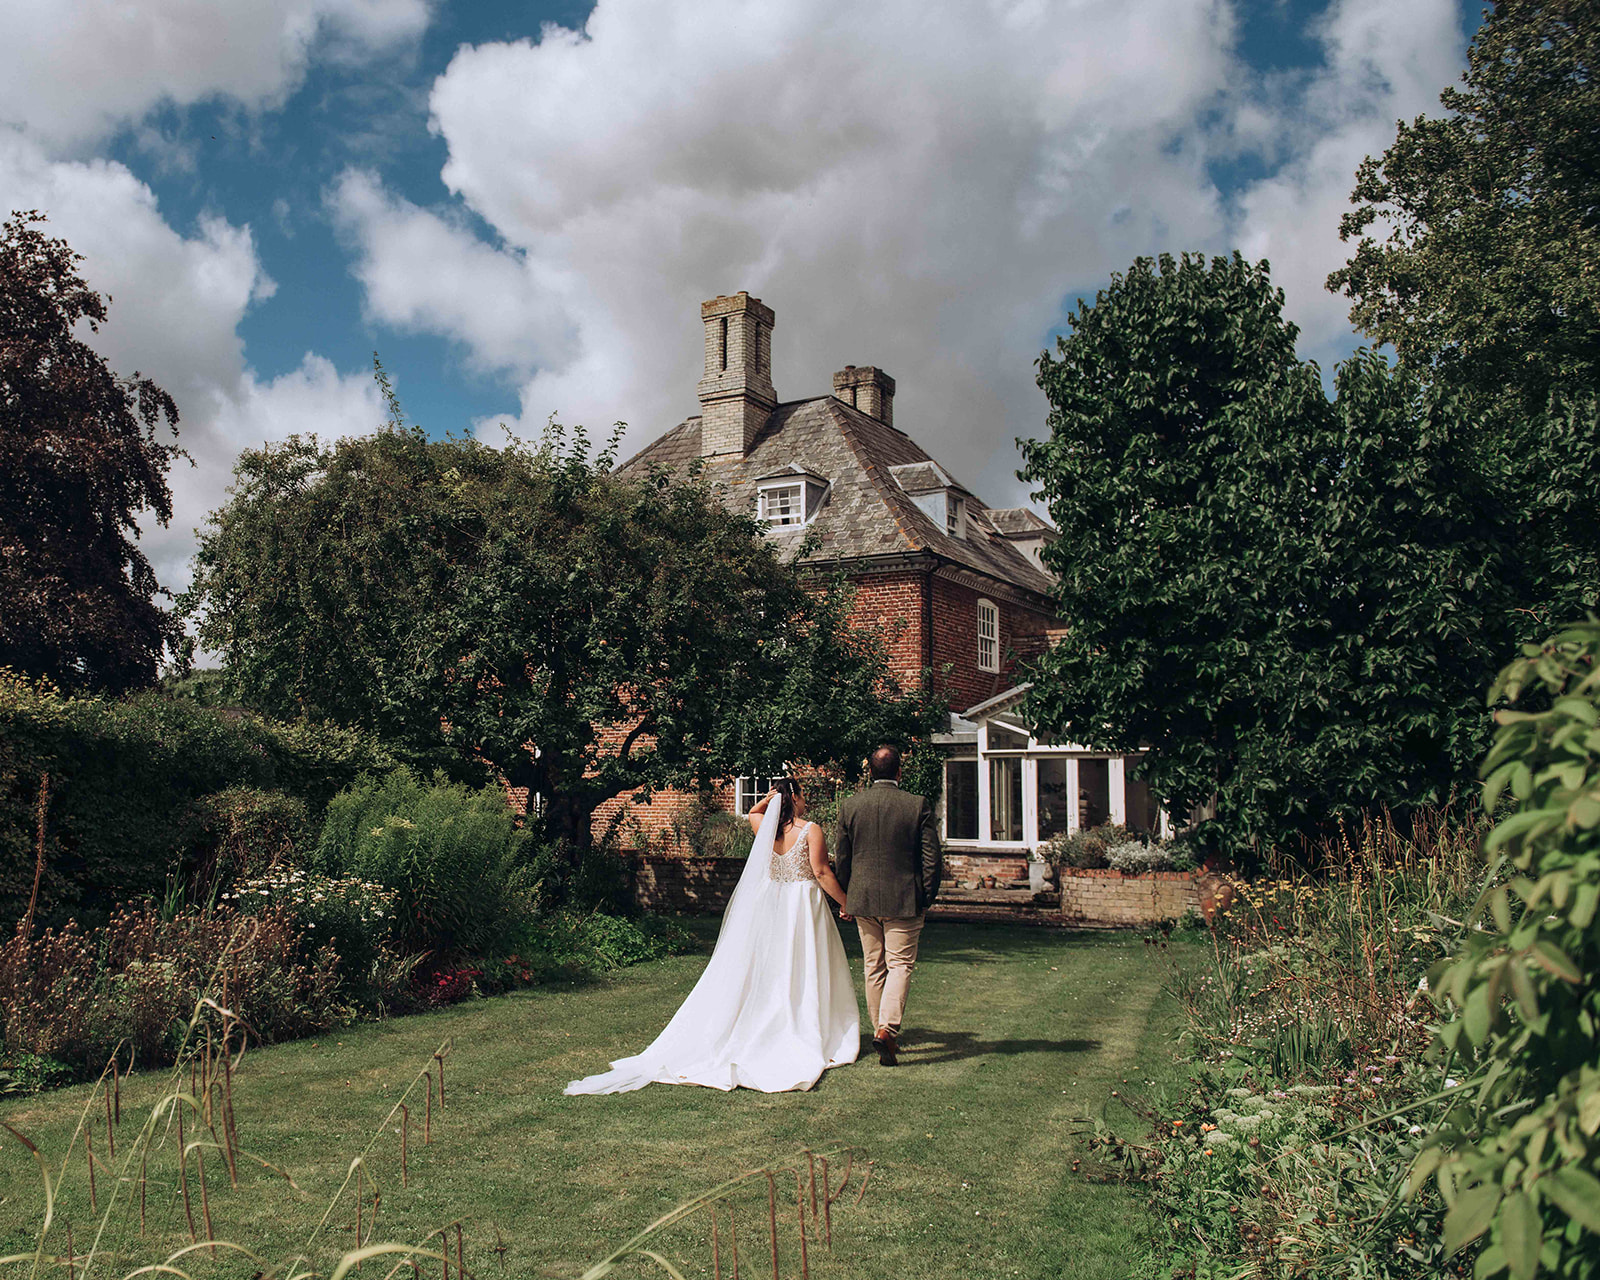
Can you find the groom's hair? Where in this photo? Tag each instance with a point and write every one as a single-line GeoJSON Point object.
{"type": "Point", "coordinates": [884, 763]}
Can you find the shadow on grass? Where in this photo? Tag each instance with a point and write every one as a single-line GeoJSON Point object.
{"type": "Point", "coordinates": [928, 1047]}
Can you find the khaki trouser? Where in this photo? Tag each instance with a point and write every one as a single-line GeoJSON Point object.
{"type": "Point", "coordinates": [889, 947]}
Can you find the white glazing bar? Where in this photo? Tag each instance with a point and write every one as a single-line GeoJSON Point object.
{"type": "Point", "coordinates": [984, 826]}
{"type": "Point", "coordinates": [1030, 801]}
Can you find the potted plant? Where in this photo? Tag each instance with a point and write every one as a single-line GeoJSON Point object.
{"type": "Point", "coordinates": [1038, 867]}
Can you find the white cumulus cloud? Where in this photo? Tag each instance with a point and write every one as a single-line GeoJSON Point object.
{"type": "Point", "coordinates": [425, 273]}
{"type": "Point", "coordinates": [1385, 62]}
{"type": "Point", "coordinates": [72, 71]}
{"type": "Point", "coordinates": [75, 72]}
{"type": "Point", "coordinates": [908, 187]}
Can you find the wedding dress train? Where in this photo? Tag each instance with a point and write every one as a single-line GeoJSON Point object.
{"type": "Point", "coordinates": [776, 1005]}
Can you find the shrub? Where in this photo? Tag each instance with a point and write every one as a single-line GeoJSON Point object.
{"type": "Point", "coordinates": [553, 874]}
{"type": "Point", "coordinates": [74, 995]}
{"type": "Point", "coordinates": [569, 943]}
{"type": "Point", "coordinates": [1518, 1156]}
{"type": "Point", "coordinates": [1086, 849]}
{"type": "Point", "coordinates": [1182, 853]}
{"type": "Point", "coordinates": [617, 942]}
{"type": "Point", "coordinates": [823, 799]}
{"type": "Point", "coordinates": [452, 856]}
{"type": "Point", "coordinates": [726, 835]}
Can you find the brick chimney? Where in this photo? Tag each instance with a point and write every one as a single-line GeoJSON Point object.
{"type": "Point", "coordinates": [736, 393]}
{"type": "Point", "coordinates": [869, 390]}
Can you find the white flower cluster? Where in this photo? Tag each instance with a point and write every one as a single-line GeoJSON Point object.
{"type": "Point", "coordinates": [1246, 1115]}
{"type": "Point", "coordinates": [300, 890]}
{"type": "Point", "coordinates": [1134, 857]}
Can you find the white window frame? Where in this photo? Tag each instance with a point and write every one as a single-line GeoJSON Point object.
{"type": "Point", "coordinates": [767, 501]}
{"type": "Point", "coordinates": [748, 789]}
{"type": "Point", "coordinates": [988, 638]}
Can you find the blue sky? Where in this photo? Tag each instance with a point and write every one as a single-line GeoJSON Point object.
{"type": "Point", "coordinates": [519, 205]}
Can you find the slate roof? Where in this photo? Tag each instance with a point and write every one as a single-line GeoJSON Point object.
{"type": "Point", "coordinates": [1019, 522]}
{"type": "Point", "coordinates": [866, 511]}
{"type": "Point", "coordinates": [923, 477]}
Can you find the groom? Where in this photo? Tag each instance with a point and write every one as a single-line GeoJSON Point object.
{"type": "Point", "coordinates": [887, 857]}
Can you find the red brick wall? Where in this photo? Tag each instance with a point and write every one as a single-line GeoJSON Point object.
{"type": "Point", "coordinates": [955, 641]}
{"type": "Point", "coordinates": [685, 886]}
{"type": "Point", "coordinates": [657, 825]}
{"type": "Point", "coordinates": [963, 870]}
{"type": "Point", "coordinates": [893, 603]}
{"type": "Point", "coordinates": [1109, 899]}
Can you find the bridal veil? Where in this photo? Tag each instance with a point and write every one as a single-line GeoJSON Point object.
{"type": "Point", "coordinates": [775, 1006]}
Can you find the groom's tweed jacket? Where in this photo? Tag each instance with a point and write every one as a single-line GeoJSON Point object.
{"type": "Point", "coordinates": [886, 853]}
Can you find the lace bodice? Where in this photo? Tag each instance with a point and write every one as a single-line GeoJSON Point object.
{"type": "Point", "coordinates": [794, 866]}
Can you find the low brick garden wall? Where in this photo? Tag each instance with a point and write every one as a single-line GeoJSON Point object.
{"type": "Point", "coordinates": [1089, 899]}
{"type": "Point", "coordinates": [684, 886]}
{"type": "Point", "coordinates": [965, 868]}
{"type": "Point", "coordinates": [1109, 899]}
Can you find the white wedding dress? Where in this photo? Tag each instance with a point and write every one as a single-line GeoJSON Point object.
{"type": "Point", "coordinates": [775, 1007]}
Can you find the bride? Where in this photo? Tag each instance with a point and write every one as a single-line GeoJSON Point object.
{"type": "Point", "coordinates": [775, 1006]}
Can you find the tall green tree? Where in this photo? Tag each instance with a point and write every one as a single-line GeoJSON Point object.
{"type": "Point", "coordinates": [1478, 259]}
{"type": "Point", "coordinates": [1478, 233]}
{"type": "Point", "coordinates": [522, 613]}
{"type": "Point", "coordinates": [1293, 603]}
{"type": "Point", "coordinates": [81, 456]}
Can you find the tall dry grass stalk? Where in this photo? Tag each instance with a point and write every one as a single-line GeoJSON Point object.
{"type": "Point", "coordinates": [800, 1208]}
{"type": "Point", "coordinates": [802, 1166]}
{"type": "Point", "coordinates": [193, 1113]}
{"type": "Point", "coordinates": [41, 812]}
{"type": "Point", "coordinates": [772, 1219]}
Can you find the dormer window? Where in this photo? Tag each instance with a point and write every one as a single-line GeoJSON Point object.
{"type": "Point", "coordinates": [783, 503]}
{"type": "Point", "coordinates": [790, 498]}
{"type": "Point", "coordinates": [935, 494]}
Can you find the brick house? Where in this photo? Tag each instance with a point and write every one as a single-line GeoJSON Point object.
{"type": "Point", "coordinates": [959, 586]}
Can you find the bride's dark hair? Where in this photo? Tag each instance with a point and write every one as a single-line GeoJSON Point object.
{"type": "Point", "coordinates": [787, 789]}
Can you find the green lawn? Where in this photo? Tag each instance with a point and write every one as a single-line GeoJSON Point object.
{"type": "Point", "coordinates": [1012, 1034]}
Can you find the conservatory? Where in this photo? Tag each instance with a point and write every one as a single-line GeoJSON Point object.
{"type": "Point", "coordinates": [1007, 791]}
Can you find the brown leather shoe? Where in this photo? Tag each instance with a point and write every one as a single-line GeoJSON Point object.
{"type": "Point", "coordinates": [885, 1043]}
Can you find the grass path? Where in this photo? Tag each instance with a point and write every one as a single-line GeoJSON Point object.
{"type": "Point", "coordinates": [1012, 1034]}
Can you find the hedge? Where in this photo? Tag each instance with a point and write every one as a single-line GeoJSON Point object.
{"type": "Point", "coordinates": [125, 804]}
